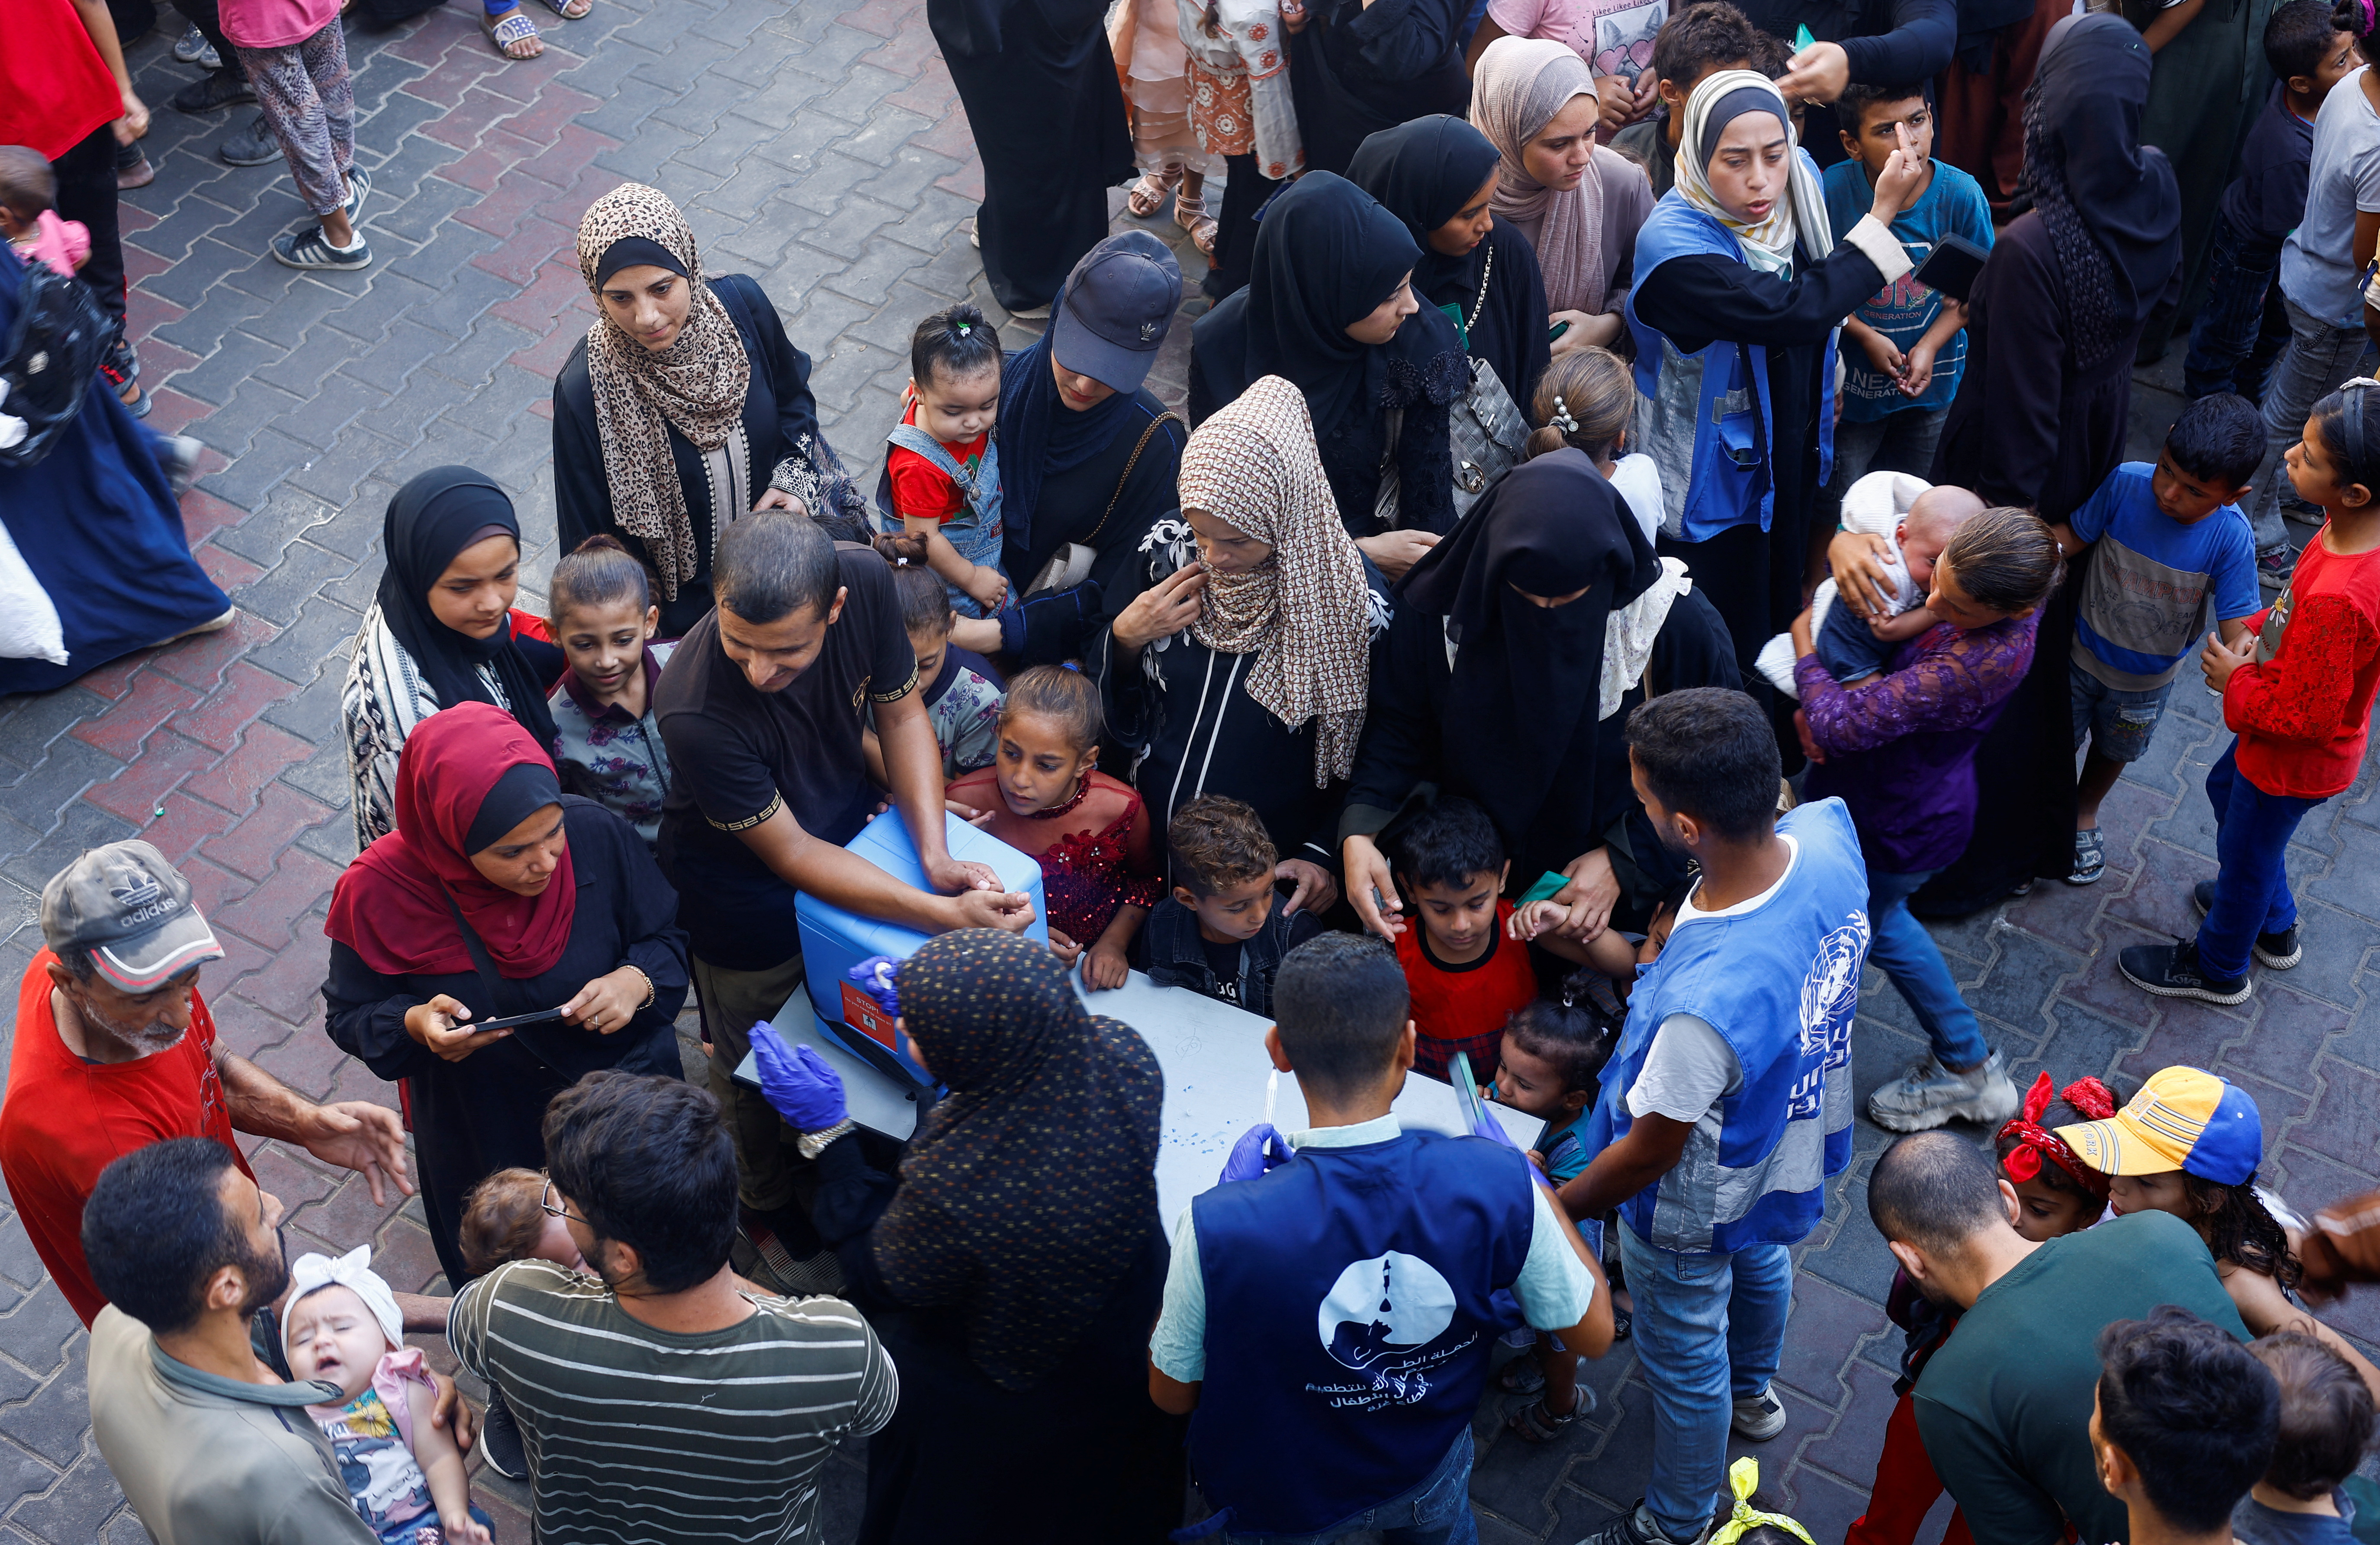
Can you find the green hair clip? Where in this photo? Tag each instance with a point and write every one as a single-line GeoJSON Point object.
{"type": "Point", "coordinates": [1743, 1478]}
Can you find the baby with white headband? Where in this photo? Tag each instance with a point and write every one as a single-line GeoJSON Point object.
{"type": "Point", "coordinates": [406, 1475]}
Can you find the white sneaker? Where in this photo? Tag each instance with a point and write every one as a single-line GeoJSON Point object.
{"type": "Point", "coordinates": [1930, 1094]}
{"type": "Point", "coordinates": [1759, 1418]}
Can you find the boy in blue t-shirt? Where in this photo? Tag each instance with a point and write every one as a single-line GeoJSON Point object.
{"type": "Point", "coordinates": [2169, 536]}
{"type": "Point", "coordinates": [1912, 341]}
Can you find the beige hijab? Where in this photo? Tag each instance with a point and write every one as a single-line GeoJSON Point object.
{"type": "Point", "coordinates": [1306, 611]}
{"type": "Point", "coordinates": [1520, 86]}
{"type": "Point", "coordinates": [696, 385]}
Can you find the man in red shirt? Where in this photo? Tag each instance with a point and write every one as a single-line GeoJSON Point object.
{"type": "Point", "coordinates": [115, 1050]}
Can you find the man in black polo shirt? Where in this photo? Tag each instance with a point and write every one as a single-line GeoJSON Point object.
{"type": "Point", "coordinates": [761, 707]}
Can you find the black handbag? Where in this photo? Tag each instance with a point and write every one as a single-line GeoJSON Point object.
{"type": "Point", "coordinates": [53, 351]}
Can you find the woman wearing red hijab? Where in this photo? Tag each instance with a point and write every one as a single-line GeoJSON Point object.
{"type": "Point", "coordinates": [496, 895]}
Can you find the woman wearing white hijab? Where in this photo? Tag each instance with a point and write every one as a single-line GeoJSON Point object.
{"type": "Point", "coordinates": [1740, 285]}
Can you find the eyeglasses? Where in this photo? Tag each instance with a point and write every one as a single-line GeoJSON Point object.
{"type": "Point", "coordinates": [553, 1209]}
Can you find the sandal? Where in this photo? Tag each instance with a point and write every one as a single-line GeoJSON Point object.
{"type": "Point", "coordinates": [570, 10]}
{"type": "Point", "coordinates": [1192, 216]}
{"type": "Point", "coordinates": [1534, 1424]}
{"type": "Point", "coordinates": [510, 30]}
{"type": "Point", "coordinates": [1150, 193]}
{"type": "Point", "coordinates": [1622, 1323]}
{"type": "Point", "coordinates": [1522, 1376]}
{"type": "Point", "coordinates": [2090, 858]}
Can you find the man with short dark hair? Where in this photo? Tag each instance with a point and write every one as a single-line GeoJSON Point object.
{"type": "Point", "coordinates": [2004, 1404]}
{"type": "Point", "coordinates": [114, 1049]}
{"type": "Point", "coordinates": [671, 1399]}
{"type": "Point", "coordinates": [211, 1446]}
{"type": "Point", "coordinates": [762, 707]}
{"type": "Point", "coordinates": [1727, 1105]}
{"type": "Point", "coordinates": [2183, 1424]}
{"type": "Point", "coordinates": [1398, 1241]}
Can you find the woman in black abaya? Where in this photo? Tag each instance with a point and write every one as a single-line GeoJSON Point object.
{"type": "Point", "coordinates": [1041, 96]}
{"type": "Point", "coordinates": [1358, 67]}
{"type": "Point", "coordinates": [2040, 418]}
{"type": "Point", "coordinates": [1330, 309]}
{"type": "Point", "coordinates": [1438, 175]}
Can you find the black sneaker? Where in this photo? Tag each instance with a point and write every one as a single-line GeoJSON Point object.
{"type": "Point", "coordinates": [1636, 1527]}
{"type": "Point", "coordinates": [252, 146]}
{"type": "Point", "coordinates": [2173, 971]}
{"type": "Point", "coordinates": [224, 88]}
{"type": "Point", "coordinates": [2275, 566]}
{"type": "Point", "coordinates": [311, 248]}
{"type": "Point", "coordinates": [499, 1439]}
{"type": "Point", "coordinates": [119, 366]}
{"type": "Point", "coordinates": [2274, 951]}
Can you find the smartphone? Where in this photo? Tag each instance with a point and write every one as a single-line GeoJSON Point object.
{"type": "Point", "coordinates": [1556, 330]}
{"type": "Point", "coordinates": [509, 1021]}
{"type": "Point", "coordinates": [1953, 266]}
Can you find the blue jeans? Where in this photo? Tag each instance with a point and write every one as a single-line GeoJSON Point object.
{"type": "Point", "coordinates": [2251, 889]}
{"type": "Point", "coordinates": [2318, 358]}
{"type": "Point", "coordinates": [1902, 950]}
{"type": "Point", "coordinates": [2242, 326]}
{"type": "Point", "coordinates": [1437, 1512]}
{"type": "Point", "coordinates": [1709, 1329]}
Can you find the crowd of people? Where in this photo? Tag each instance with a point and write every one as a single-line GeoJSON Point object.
{"type": "Point", "coordinates": [1650, 527]}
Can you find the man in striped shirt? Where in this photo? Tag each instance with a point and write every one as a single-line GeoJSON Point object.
{"type": "Point", "coordinates": [669, 1401]}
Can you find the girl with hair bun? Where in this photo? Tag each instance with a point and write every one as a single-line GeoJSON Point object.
{"type": "Point", "coordinates": [1586, 400]}
{"type": "Point", "coordinates": [607, 744]}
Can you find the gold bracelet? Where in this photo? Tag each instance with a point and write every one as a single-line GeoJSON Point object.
{"type": "Point", "coordinates": [652, 992]}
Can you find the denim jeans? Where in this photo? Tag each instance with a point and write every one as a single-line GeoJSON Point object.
{"type": "Point", "coordinates": [1437, 1512]}
{"type": "Point", "coordinates": [2251, 889]}
{"type": "Point", "coordinates": [2318, 358]}
{"type": "Point", "coordinates": [1901, 949]}
{"type": "Point", "coordinates": [1709, 1329]}
{"type": "Point", "coordinates": [1899, 442]}
{"type": "Point", "coordinates": [2242, 326]}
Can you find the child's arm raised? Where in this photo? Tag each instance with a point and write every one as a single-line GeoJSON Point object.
{"type": "Point", "coordinates": [442, 1465]}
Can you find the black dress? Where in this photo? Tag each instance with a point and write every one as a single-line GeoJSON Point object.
{"type": "Point", "coordinates": [1402, 735]}
{"type": "Point", "coordinates": [1359, 67]}
{"type": "Point", "coordinates": [487, 1111]}
{"type": "Point", "coordinates": [780, 420]}
{"type": "Point", "coordinates": [1755, 579]}
{"type": "Point", "coordinates": [1100, 505]}
{"type": "Point", "coordinates": [1041, 96]}
{"type": "Point", "coordinates": [1184, 711]}
{"type": "Point", "coordinates": [2030, 427]}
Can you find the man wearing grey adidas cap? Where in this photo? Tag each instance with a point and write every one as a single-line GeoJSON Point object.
{"type": "Point", "coordinates": [115, 1050]}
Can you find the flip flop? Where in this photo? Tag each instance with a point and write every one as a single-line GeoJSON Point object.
{"type": "Point", "coordinates": [504, 31]}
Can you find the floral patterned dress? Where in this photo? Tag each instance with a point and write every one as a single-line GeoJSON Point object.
{"type": "Point", "coordinates": [1239, 83]}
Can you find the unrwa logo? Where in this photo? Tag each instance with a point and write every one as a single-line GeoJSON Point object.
{"type": "Point", "coordinates": [1830, 991]}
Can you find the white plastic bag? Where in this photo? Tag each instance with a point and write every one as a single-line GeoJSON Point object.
{"type": "Point", "coordinates": [29, 622]}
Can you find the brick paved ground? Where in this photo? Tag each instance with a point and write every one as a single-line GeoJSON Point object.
{"type": "Point", "coordinates": [825, 153]}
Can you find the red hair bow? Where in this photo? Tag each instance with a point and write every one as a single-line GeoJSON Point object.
{"type": "Point", "coordinates": [2035, 1142]}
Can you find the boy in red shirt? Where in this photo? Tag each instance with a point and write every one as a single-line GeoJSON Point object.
{"type": "Point", "coordinates": [1465, 971]}
{"type": "Point", "coordinates": [2299, 694]}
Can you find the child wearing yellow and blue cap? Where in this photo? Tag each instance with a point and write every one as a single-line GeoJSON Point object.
{"type": "Point", "coordinates": [2188, 1144]}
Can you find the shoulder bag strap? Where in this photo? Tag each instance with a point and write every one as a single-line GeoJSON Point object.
{"type": "Point", "coordinates": [1134, 461]}
{"type": "Point", "coordinates": [480, 960]}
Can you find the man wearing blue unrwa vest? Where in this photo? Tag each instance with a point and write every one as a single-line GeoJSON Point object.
{"type": "Point", "coordinates": [1728, 1102]}
{"type": "Point", "coordinates": [1327, 1320]}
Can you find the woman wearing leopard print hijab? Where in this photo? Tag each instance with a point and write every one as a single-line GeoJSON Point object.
{"type": "Point", "coordinates": [685, 407]}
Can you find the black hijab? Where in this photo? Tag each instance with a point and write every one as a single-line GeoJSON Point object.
{"type": "Point", "coordinates": [1040, 434]}
{"type": "Point", "coordinates": [1424, 173]}
{"type": "Point", "coordinates": [2111, 204]}
{"type": "Point", "coordinates": [1327, 256]}
{"type": "Point", "coordinates": [1519, 728]}
{"type": "Point", "coordinates": [432, 518]}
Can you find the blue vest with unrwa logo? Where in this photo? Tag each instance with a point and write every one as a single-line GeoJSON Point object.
{"type": "Point", "coordinates": [1780, 984]}
{"type": "Point", "coordinates": [1350, 1314]}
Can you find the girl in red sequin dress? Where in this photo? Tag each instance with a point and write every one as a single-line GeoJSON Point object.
{"type": "Point", "coordinates": [1091, 833]}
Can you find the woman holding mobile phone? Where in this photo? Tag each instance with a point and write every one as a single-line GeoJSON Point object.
{"type": "Point", "coordinates": [497, 895]}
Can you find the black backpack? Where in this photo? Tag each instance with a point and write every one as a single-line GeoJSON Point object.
{"type": "Point", "coordinates": [53, 356]}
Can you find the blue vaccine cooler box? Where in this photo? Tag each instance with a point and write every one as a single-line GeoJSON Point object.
{"type": "Point", "coordinates": [834, 940]}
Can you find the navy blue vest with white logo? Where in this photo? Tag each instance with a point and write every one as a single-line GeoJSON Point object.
{"type": "Point", "coordinates": [1349, 1319]}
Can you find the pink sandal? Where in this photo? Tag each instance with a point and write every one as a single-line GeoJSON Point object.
{"type": "Point", "coordinates": [1148, 196]}
{"type": "Point", "coordinates": [1192, 216]}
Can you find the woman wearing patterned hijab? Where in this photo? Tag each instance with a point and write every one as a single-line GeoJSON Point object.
{"type": "Point", "coordinates": [1016, 1269]}
{"type": "Point", "coordinates": [1260, 695]}
{"type": "Point", "coordinates": [1741, 284]}
{"type": "Point", "coordinates": [685, 407]}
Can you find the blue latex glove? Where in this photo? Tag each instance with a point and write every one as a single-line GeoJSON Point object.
{"type": "Point", "coordinates": [1493, 1129]}
{"type": "Point", "coordinates": [874, 977]}
{"type": "Point", "coordinates": [1259, 1149]}
{"type": "Point", "coordinates": [805, 1090]}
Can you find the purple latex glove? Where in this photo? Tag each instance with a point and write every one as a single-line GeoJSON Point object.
{"type": "Point", "coordinates": [1493, 1129]}
{"type": "Point", "coordinates": [1259, 1149]}
{"type": "Point", "coordinates": [874, 977]}
{"type": "Point", "coordinates": [805, 1090]}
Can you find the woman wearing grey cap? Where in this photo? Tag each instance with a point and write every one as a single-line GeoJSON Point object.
{"type": "Point", "coordinates": [1086, 453]}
